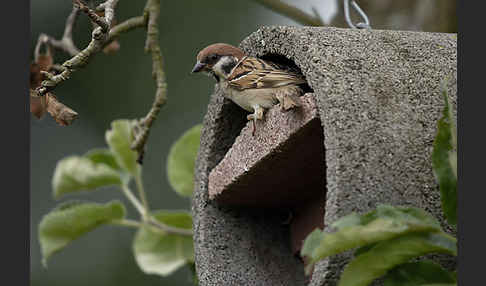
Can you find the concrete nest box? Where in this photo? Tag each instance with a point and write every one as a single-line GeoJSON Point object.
{"type": "Point", "coordinates": [363, 136]}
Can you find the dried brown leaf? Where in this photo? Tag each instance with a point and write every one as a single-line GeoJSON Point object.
{"type": "Point", "coordinates": [35, 75]}
{"type": "Point", "coordinates": [44, 62]}
{"type": "Point", "coordinates": [38, 105]}
{"type": "Point", "coordinates": [63, 115]}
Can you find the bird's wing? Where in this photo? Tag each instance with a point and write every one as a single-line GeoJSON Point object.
{"type": "Point", "coordinates": [256, 73]}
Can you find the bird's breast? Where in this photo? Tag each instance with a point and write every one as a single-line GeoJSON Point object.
{"type": "Point", "coordinates": [248, 98]}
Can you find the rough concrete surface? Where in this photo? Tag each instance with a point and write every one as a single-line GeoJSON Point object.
{"type": "Point", "coordinates": [378, 96]}
{"type": "Point", "coordinates": [235, 246]}
{"type": "Point", "coordinates": [241, 178]}
{"type": "Point", "coordinates": [288, 144]}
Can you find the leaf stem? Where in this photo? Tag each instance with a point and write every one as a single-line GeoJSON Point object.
{"type": "Point", "coordinates": [141, 191]}
{"type": "Point", "coordinates": [145, 214]}
{"type": "Point", "coordinates": [66, 43]}
{"type": "Point", "coordinates": [170, 229]}
{"type": "Point", "coordinates": [154, 225]}
{"type": "Point", "coordinates": [127, 222]}
{"type": "Point", "coordinates": [135, 202]}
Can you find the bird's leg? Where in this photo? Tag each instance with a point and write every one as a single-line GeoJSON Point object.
{"type": "Point", "coordinates": [256, 115]}
{"type": "Point", "coordinates": [251, 117]}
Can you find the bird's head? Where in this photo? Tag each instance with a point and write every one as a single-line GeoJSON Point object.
{"type": "Point", "coordinates": [218, 60]}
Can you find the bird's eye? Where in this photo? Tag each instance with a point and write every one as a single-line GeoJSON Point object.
{"type": "Point", "coordinates": [213, 57]}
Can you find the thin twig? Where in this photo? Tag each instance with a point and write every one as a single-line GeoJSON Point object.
{"type": "Point", "coordinates": [126, 26]}
{"type": "Point", "coordinates": [70, 21]}
{"type": "Point", "coordinates": [100, 21]}
{"type": "Point", "coordinates": [142, 130]}
{"type": "Point", "coordinates": [66, 43]}
{"type": "Point", "coordinates": [292, 12]}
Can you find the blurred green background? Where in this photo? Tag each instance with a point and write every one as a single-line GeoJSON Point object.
{"type": "Point", "coordinates": [120, 86]}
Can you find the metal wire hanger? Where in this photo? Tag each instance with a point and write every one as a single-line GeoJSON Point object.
{"type": "Point", "coordinates": [360, 25]}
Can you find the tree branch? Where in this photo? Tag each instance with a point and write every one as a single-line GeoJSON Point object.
{"type": "Point", "coordinates": [142, 129]}
{"type": "Point", "coordinates": [126, 26]}
{"type": "Point", "coordinates": [99, 37]}
{"type": "Point", "coordinates": [100, 21]}
{"type": "Point", "coordinates": [102, 36]}
{"type": "Point", "coordinates": [292, 12]}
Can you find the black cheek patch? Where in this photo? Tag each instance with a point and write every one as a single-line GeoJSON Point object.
{"type": "Point", "coordinates": [228, 67]}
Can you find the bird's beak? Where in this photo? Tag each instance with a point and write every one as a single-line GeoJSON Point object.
{"type": "Point", "coordinates": [198, 67]}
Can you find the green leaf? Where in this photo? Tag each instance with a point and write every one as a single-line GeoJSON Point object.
{"type": "Point", "coordinates": [311, 242]}
{"type": "Point", "coordinates": [444, 161]}
{"type": "Point", "coordinates": [103, 156]}
{"type": "Point", "coordinates": [192, 268]}
{"type": "Point", "coordinates": [74, 173]}
{"type": "Point", "coordinates": [409, 215]}
{"type": "Point", "coordinates": [386, 222]}
{"type": "Point", "coordinates": [157, 252]}
{"type": "Point", "coordinates": [71, 220]}
{"type": "Point", "coordinates": [363, 249]}
{"type": "Point", "coordinates": [349, 220]}
{"type": "Point", "coordinates": [418, 273]}
{"type": "Point", "coordinates": [179, 219]}
{"type": "Point", "coordinates": [119, 139]}
{"type": "Point", "coordinates": [386, 255]}
{"type": "Point", "coordinates": [453, 162]}
{"type": "Point", "coordinates": [181, 160]}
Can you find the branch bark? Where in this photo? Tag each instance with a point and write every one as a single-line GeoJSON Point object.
{"type": "Point", "coordinates": [126, 26]}
{"type": "Point", "coordinates": [99, 37]}
{"type": "Point", "coordinates": [142, 129]}
{"type": "Point", "coordinates": [102, 36]}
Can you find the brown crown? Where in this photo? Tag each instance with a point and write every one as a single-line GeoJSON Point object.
{"type": "Point", "coordinates": [221, 50]}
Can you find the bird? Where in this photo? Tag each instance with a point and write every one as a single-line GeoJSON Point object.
{"type": "Point", "coordinates": [252, 83]}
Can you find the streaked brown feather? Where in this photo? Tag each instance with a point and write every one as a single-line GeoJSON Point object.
{"type": "Point", "coordinates": [256, 73]}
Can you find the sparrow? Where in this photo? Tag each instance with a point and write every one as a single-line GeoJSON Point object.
{"type": "Point", "coordinates": [252, 83]}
